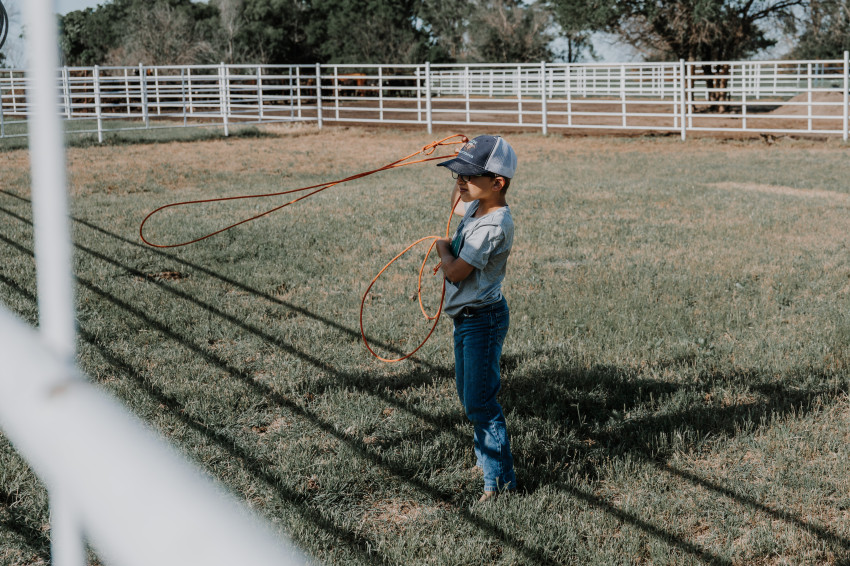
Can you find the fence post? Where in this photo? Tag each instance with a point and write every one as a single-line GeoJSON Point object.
{"type": "Point", "coordinates": [2, 117]}
{"type": "Point", "coordinates": [319, 94]}
{"type": "Point", "coordinates": [97, 110]}
{"type": "Point", "coordinates": [52, 242]}
{"type": "Point", "coordinates": [183, 96]}
{"type": "Point", "coordinates": [543, 98]}
{"type": "Point", "coordinates": [380, 93]}
{"type": "Point", "coordinates": [623, 92]}
{"type": "Point", "coordinates": [809, 95]}
{"type": "Point", "coordinates": [683, 91]}
{"type": "Point", "coordinates": [569, 89]}
{"type": "Point", "coordinates": [260, 101]}
{"type": "Point", "coordinates": [127, 91]}
{"type": "Point", "coordinates": [143, 85]}
{"type": "Point", "coordinates": [189, 86]}
{"type": "Point", "coordinates": [298, 89]}
{"type": "Point", "coordinates": [66, 544]}
{"type": "Point", "coordinates": [12, 91]}
{"type": "Point", "coordinates": [336, 92]}
{"type": "Point", "coordinates": [428, 115]}
{"type": "Point", "coordinates": [466, 90]}
{"type": "Point", "coordinates": [846, 94]}
{"type": "Point", "coordinates": [222, 96]}
{"type": "Point", "coordinates": [519, 93]}
{"type": "Point", "coordinates": [66, 92]}
{"type": "Point", "coordinates": [156, 91]}
{"type": "Point", "coordinates": [418, 96]}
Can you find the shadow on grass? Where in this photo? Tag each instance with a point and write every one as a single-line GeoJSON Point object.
{"type": "Point", "coordinates": [596, 402]}
{"type": "Point", "coordinates": [34, 540]}
{"type": "Point", "coordinates": [405, 473]}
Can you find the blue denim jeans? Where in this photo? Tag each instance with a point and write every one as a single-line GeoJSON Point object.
{"type": "Point", "coordinates": [479, 336]}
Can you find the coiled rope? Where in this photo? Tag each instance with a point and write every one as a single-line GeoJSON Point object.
{"type": "Point", "coordinates": [428, 150]}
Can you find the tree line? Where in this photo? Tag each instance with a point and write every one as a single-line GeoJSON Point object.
{"type": "Point", "coordinates": [129, 32]}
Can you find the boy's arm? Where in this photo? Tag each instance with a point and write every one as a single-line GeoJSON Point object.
{"type": "Point", "coordinates": [454, 268]}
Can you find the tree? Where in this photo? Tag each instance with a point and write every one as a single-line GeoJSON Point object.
{"type": "Point", "coordinates": [509, 31]}
{"type": "Point", "coordinates": [694, 30]}
{"type": "Point", "coordinates": [367, 31]}
{"type": "Point", "coordinates": [578, 19]}
{"type": "Point", "coordinates": [826, 30]}
{"type": "Point", "coordinates": [123, 31]}
{"type": "Point", "coordinates": [697, 30]}
{"type": "Point", "coordinates": [163, 35]}
{"type": "Point", "coordinates": [231, 13]}
{"type": "Point", "coordinates": [274, 31]}
{"type": "Point", "coordinates": [446, 22]}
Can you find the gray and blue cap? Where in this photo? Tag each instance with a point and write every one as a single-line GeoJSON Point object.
{"type": "Point", "coordinates": [484, 154]}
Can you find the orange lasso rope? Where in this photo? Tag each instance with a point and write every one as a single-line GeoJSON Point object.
{"type": "Point", "coordinates": [436, 317]}
{"type": "Point", "coordinates": [314, 189]}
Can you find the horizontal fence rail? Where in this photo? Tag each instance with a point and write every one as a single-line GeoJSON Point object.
{"type": "Point", "coordinates": [783, 97]}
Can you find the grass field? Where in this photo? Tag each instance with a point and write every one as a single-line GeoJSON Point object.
{"type": "Point", "coordinates": [675, 377]}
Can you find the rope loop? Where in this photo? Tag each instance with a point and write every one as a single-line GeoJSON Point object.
{"type": "Point", "coordinates": [427, 150]}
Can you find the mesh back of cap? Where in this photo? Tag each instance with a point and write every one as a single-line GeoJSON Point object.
{"type": "Point", "coordinates": [502, 160]}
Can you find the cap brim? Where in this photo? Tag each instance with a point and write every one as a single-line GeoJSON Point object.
{"type": "Point", "coordinates": [462, 167]}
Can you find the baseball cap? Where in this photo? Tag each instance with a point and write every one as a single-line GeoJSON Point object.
{"type": "Point", "coordinates": [484, 154]}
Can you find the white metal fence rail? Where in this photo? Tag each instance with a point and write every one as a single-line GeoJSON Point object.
{"type": "Point", "coordinates": [110, 480]}
{"type": "Point", "coordinates": [793, 97]}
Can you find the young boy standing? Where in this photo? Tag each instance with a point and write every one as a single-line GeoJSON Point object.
{"type": "Point", "coordinates": [473, 262]}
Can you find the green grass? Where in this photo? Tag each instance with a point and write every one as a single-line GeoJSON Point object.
{"type": "Point", "coordinates": [675, 375]}
{"type": "Point", "coordinates": [83, 133]}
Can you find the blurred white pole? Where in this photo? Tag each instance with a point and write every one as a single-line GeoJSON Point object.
{"type": "Point", "coordinates": [52, 241]}
{"type": "Point", "coordinates": [140, 502]}
{"type": "Point", "coordinates": [49, 194]}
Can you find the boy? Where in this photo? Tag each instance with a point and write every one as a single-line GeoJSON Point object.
{"type": "Point", "coordinates": [473, 262]}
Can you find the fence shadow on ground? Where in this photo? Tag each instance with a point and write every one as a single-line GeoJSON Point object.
{"type": "Point", "coordinates": [588, 399]}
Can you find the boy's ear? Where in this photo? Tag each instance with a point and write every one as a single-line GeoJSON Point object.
{"type": "Point", "coordinates": [498, 183]}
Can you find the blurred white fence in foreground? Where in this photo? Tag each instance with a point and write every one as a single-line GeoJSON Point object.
{"type": "Point", "coordinates": [111, 481]}
{"type": "Point", "coordinates": [793, 97]}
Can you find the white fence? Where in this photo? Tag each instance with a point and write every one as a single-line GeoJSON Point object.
{"type": "Point", "coordinates": [782, 97]}
{"type": "Point", "coordinates": [111, 482]}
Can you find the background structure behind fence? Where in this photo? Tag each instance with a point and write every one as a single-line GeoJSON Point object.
{"type": "Point", "coordinates": [780, 97]}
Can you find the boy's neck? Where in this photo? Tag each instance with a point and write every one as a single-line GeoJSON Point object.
{"type": "Point", "coordinates": [488, 205]}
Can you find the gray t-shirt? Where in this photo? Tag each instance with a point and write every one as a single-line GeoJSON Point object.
{"type": "Point", "coordinates": [485, 244]}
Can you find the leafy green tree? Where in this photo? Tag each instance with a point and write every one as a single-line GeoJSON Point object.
{"type": "Point", "coordinates": [446, 22]}
{"type": "Point", "coordinates": [87, 36]}
{"type": "Point", "coordinates": [707, 30]}
{"type": "Point", "coordinates": [367, 31]}
{"type": "Point", "coordinates": [112, 32]}
{"type": "Point", "coordinates": [274, 31]}
{"type": "Point", "coordinates": [510, 31]}
{"type": "Point", "coordinates": [826, 30]}
{"type": "Point", "coordinates": [578, 20]}
{"type": "Point", "coordinates": [163, 35]}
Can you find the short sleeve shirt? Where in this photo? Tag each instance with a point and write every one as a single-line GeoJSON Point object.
{"type": "Point", "coordinates": [485, 244]}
